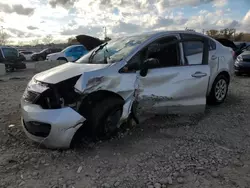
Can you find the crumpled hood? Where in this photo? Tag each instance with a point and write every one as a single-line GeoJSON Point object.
{"type": "Point", "coordinates": [66, 71]}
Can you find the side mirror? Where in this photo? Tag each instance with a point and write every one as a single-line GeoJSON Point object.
{"type": "Point", "coordinates": [147, 64]}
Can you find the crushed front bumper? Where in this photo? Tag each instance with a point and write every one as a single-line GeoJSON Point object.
{"type": "Point", "coordinates": [61, 124]}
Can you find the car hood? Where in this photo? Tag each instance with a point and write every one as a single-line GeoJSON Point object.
{"type": "Point", "coordinates": [246, 54]}
{"type": "Point", "coordinates": [66, 71]}
{"type": "Point", "coordinates": [53, 54]}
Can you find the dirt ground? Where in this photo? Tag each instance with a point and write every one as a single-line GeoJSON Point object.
{"type": "Point", "coordinates": [209, 150]}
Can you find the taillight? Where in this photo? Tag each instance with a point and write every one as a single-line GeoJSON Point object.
{"type": "Point", "coordinates": [233, 53]}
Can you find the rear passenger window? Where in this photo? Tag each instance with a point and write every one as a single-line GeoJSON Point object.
{"type": "Point", "coordinates": [192, 47]}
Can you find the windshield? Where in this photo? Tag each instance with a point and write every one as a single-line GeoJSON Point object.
{"type": "Point", "coordinates": [115, 50]}
{"type": "Point", "coordinates": [43, 50]}
{"type": "Point", "coordinates": [67, 48]}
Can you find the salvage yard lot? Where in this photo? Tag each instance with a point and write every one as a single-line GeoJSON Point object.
{"type": "Point", "coordinates": [207, 150]}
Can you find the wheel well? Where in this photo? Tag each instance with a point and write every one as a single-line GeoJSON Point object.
{"type": "Point", "coordinates": [61, 58]}
{"type": "Point", "coordinates": [85, 110]}
{"type": "Point", "coordinates": [93, 98]}
{"type": "Point", "coordinates": [226, 74]}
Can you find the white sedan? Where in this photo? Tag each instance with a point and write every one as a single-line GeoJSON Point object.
{"type": "Point", "coordinates": [27, 55]}
{"type": "Point", "coordinates": [163, 72]}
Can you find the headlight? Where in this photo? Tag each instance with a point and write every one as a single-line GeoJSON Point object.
{"type": "Point", "coordinates": [239, 58]}
{"type": "Point", "coordinates": [37, 86]}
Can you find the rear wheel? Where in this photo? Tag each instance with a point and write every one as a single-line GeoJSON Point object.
{"type": "Point", "coordinates": [219, 90]}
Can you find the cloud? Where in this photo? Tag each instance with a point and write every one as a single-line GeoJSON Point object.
{"type": "Point", "coordinates": [20, 34]}
{"type": "Point", "coordinates": [16, 8]}
{"type": "Point", "coordinates": [32, 27]}
{"type": "Point", "coordinates": [82, 30]}
{"type": "Point", "coordinates": [63, 3]}
{"type": "Point", "coordinates": [220, 3]}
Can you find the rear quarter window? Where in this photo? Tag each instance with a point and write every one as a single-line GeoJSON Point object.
{"type": "Point", "coordinates": [212, 45]}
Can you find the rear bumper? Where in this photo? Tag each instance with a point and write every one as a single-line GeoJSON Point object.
{"type": "Point", "coordinates": [57, 126]}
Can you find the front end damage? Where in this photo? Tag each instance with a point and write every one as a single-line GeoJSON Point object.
{"type": "Point", "coordinates": [53, 113]}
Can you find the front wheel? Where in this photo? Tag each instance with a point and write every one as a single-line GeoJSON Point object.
{"type": "Point", "coordinates": [219, 90]}
{"type": "Point", "coordinates": [40, 59]}
{"type": "Point", "coordinates": [105, 118]}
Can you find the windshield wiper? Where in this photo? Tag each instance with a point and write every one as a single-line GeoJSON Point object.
{"type": "Point", "coordinates": [95, 51]}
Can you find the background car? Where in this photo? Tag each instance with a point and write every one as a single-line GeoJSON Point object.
{"type": "Point", "coordinates": [242, 64]}
{"type": "Point", "coordinates": [71, 53]}
{"type": "Point", "coordinates": [11, 58]}
{"type": "Point", "coordinates": [27, 54]}
{"type": "Point", "coordinates": [40, 56]}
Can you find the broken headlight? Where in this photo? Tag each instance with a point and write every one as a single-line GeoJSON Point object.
{"type": "Point", "coordinates": [30, 96]}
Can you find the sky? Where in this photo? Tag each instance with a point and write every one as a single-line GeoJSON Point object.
{"type": "Point", "coordinates": [28, 20]}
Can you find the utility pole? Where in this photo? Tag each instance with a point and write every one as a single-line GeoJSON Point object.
{"type": "Point", "coordinates": [105, 32]}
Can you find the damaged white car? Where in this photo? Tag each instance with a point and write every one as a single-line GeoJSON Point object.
{"type": "Point", "coordinates": [163, 72]}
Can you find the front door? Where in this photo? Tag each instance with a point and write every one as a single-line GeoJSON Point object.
{"type": "Point", "coordinates": [176, 85]}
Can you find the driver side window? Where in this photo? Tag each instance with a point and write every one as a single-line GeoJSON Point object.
{"type": "Point", "coordinates": [167, 56]}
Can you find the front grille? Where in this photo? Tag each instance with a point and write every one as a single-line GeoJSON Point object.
{"type": "Point", "coordinates": [37, 128]}
{"type": "Point", "coordinates": [30, 96]}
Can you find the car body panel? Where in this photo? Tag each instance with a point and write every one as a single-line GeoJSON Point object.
{"type": "Point", "coordinates": [44, 53]}
{"type": "Point", "coordinates": [164, 90]}
{"type": "Point", "coordinates": [62, 127]}
{"type": "Point", "coordinates": [70, 53]}
{"type": "Point", "coordinates": [174, 90]}
{"type": "Point", "coordinates": [27, 54]}
{"type": "Point", "coordinates": [243, 65]}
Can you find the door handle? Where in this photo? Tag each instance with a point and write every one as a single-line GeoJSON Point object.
{"type": "Point", "coordinates": [199, 74]}
{"type": "Point", "coordinates": [214, 57]}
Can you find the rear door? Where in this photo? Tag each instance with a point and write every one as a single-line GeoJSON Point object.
{"type": "Point", "coordinates": [176, 88]}
{"type": "Point", "coordinates": [193, 51]}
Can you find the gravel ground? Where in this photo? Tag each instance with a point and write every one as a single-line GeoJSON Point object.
{"type": "Point", "coordinates": [208, 150]}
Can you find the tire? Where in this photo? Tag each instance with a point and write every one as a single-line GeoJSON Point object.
{"type": "Point", "coordinates": [219, 90]}
{"type": "Point", "coordinates": [105, 117]}
{"type": "Point", "coordinates": [9, 68]}
{"type": "Point", "coordinates": [40, 59]}
{"type": "Point", "coordinates": [62, 59]}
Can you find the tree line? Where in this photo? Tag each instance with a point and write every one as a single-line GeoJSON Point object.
{"type": "Point", "coordinates": [230, 34]}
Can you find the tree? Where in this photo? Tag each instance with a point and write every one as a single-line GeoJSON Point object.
{"type": "Point", "coordinates": [35, 42]}
{"type": "Point", "coordinates": [72, 40]}
{"type": "Point", "coordinates": [3, 38]}
{"type": "Point", "coordinates": [239, 36]}
{"type": "Point", "coordinates": [213, 33]}
{"type": "Point", "coordinates": [227, 33]}
{"type": "Point", "coordinates": [20, 43]}
{"type": "Point", "coordinates": [48, 39]}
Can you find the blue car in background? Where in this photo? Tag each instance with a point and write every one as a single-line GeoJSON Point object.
{"type": "Point", "coordinates": [69, 54]}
